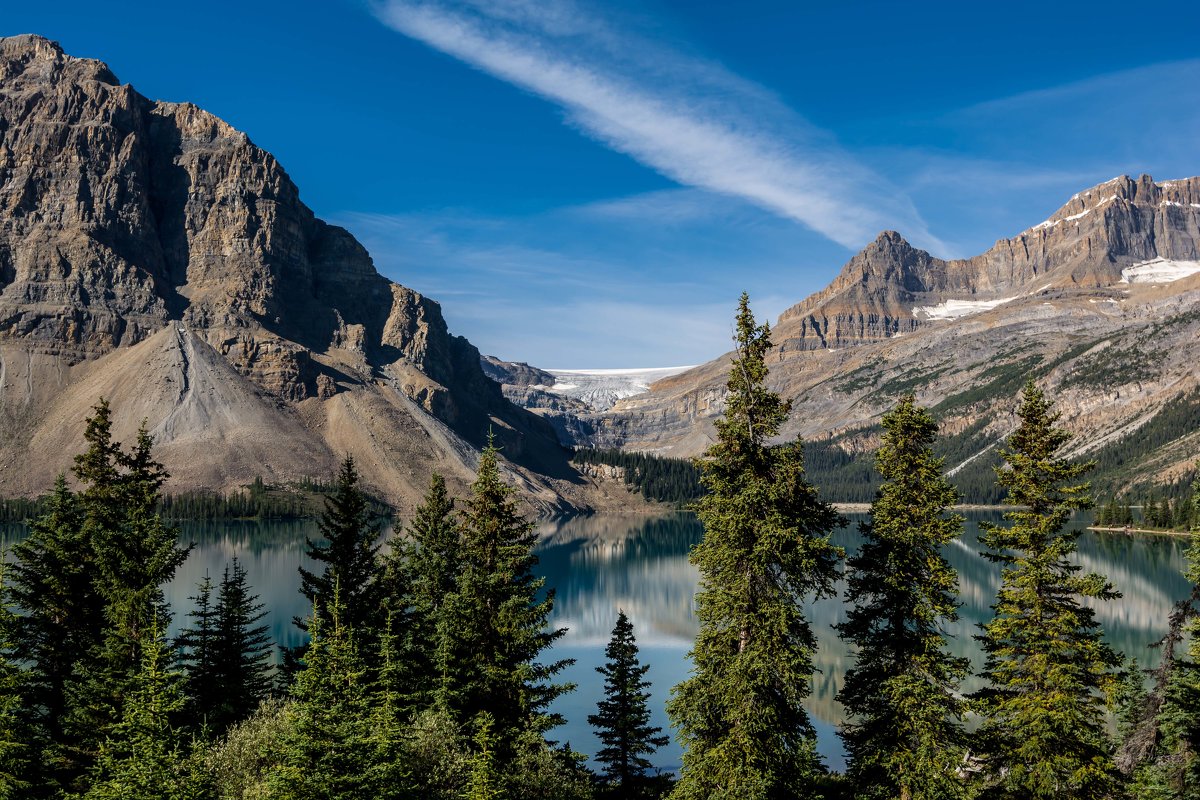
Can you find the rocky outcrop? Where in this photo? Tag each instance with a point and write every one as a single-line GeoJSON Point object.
{"type": "Point", "coordinates": [892, 288]}
{"type": "Point", "coordinates": [128, 225]}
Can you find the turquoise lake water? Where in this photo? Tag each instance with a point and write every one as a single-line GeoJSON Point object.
{"type": "Point", "coordinates": [601, 564]}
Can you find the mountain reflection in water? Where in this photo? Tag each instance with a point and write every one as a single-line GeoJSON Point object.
{"type": "Point", "coordinates": [598, 565]}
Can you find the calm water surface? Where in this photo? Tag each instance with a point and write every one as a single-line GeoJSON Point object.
{"type": "Point", "coordinates": [598, 565]}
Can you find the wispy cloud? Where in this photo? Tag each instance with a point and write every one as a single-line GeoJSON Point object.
{"type": "Point", "coordinates": [687, 118]}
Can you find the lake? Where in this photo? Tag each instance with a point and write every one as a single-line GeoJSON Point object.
{"type": "Point", "coordinates": [600, 564]}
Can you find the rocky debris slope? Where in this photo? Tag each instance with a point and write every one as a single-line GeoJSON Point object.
{"type": "Point", "coordinates": [151, 253]}
{"type": "Point", "coordinates": [1101, 303]}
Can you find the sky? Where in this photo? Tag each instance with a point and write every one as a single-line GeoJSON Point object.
{"type": "Point", "coordinates": [593, 184]}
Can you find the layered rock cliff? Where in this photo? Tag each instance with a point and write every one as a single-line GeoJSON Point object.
{"type": "Point", "coordinates": [151, 253]}
{"type": "Point", "coordinates": [892, 288]}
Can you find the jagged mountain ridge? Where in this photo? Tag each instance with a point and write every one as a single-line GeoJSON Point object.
{"type": "Point", "coordinates": [890, 287]}
{"type": "Point", "coordinates": [1070, 302]}
{"type": "Point", "coordinates": [151, 253]}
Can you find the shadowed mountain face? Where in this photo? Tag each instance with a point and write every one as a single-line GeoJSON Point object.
{"type": "Point", "coordinates": [1100, 304]}
{"type": "Point", "coordinates": [152, 254]}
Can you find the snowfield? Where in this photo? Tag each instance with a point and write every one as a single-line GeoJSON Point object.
{"type": "Point", "coordinates": [602, 388]}
{"type": "Point", "coordinates": [1159, 270]}
{"type": "Point", "coordinates": [953, 309]}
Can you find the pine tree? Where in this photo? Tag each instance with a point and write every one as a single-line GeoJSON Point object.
{"type": "Point", "coordinates": [15, 734]}
{"type": "Point", "coordinates": [349, 554]}
{"type": "Point", "coordinates": [61, 622]}
{"type": "Point", "coordinates": [144, 756]}
{"type": "Point", "coordinates": [429, 566]}
{"type": "Point", "coordinates": [765, 551]}
{"type": "Point", "coordinates": [904, 736]}
{"type": "Point", "coordinates": [134, 554]}
{"type": "Point", "coordinates": [622, 720]}
{"type": "Point", "coordinates": [226, 654]}
{"type": "Point", "coordinates": [1047, 667]}
{"type": "Point", "coordinates": [327, 750]}
{"type": "Point", "coordinates": [196, 644]}
{"type": "Point", "coordinates": [495, 626]}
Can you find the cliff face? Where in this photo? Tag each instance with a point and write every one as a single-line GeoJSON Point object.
{"type": "Point", "coordinates": [892, 288]}
{"type": "Point", "coordinates": [122, 218]}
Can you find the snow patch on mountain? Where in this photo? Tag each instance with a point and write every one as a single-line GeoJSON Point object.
{"type": "Point", "coordinates": [602, 388]}
{"type": "Point", "coordinates": [953, 309]}
{"type": "Point", "coordinates": [1159, 270]}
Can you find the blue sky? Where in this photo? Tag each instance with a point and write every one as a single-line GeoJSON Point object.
{"type": "Point", "coordinates": [592, 184]}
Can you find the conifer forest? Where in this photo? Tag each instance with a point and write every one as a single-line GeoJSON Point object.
{"type": "Point", "coordinates": [429, 671]}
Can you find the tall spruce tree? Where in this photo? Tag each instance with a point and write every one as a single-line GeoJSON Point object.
{"type": "Point", "coordinates": [766, 550]}
{"type": "Point", "coordinates": [144, 757]}
{"type": "Point", "coordinates": [350, 556]}
{"type": "Point", "coordinates": [495, 625]}
{"type": "Point", "coordinates": [1047, 666]}
{"type": "Point", "coordinates": [135, 554]}
{"type": "Point", "coordinates": [420, 572]}
{"type": "Point", "coordinates": [622, 721]}
{"type": "Point", "coordinates": [16, 752]}
{"type": "Point", "coordinates": [904, 735]}
{"type": "Point", "coordinates": [196, 644]}
{"type": "Point", "coordinates": [327, 751]}
{"type": "Point", "coordinates": [60, 625]}
{"type": "Point", "coordinates": [226, 653]}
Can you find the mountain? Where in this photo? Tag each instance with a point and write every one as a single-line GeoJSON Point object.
{"type": "Point", "coordinates": [1101, 303]}
{"type": "Point", "coordinates": [153, 255]}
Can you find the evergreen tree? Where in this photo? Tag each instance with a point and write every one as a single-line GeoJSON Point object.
{"type": "Point", "coordinates": [349, 554]}
{"type": "Point", "coordinates": [904, 735]}
{"type": "Point", "coordinates": [226, 654]}
{"type": "Point", "coordinates": [15, 735]}
{"type": "Point", "coordinates": [430, 566]}
{"type": "Point", "coordinates": [765, 551]}
{"type": "Point", "coordinates": [143, 757]}
{"type": "Point", "coordinates": [327, 751]}
{"type": "Point", "coordinates": [196, 645]}
{"type": "Point", "coordinates": [134, 554]}
{"type": "Point", "coordinates": [622, 720]}
{"type": "Point", "coordinates": [495, 625]}
{"type": "Point", "coordinates": [1047, 667]}
{"type": "Point", "coordinates": [61, 621]}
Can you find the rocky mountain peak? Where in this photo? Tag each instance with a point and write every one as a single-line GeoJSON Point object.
{"type": "Point", "coordinates": [129, 225]}
{"type": "Point", "coordinates": [35, 59]}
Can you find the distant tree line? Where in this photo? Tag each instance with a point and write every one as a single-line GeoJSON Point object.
{"type": "Point", "coordinates": [300, 499]}
{"type": "Point", "coordinates": [661, 478]}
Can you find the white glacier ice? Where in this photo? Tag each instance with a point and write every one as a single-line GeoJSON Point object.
{"type": "Point", "coordinates": [1159, 270]}
{"type": "Point", "coordinates": [602, 388]}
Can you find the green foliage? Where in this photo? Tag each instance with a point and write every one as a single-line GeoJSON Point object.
{"type": "Point", "coordinates": [60, 625]}
{"type": "Point", "coordinates": [15, 733]}
{"type": "Point", "coordinates": [239, 763]}
{"type": "Point", "coordinates": [999, 380]}
{"type": "Point", "coordinates": [350, 556]}
{"type": "Point", "coordinates": [904, 736]}
{"type": "Point", "coordinates": [428, 565]}
{"type": "Point", "coordinates": [765, 551]}
{"type": "Point", "coordinates": [622, 721]}
{"type": "Point", "coordinates": [495, 625]}
{"type": "Point", "coordinates": [1047, 667]}
{"type": "Point", "coordinates": [1114, 366]}
{"type": "Point", "coordinates": [326, 752]}
{"type": "Point", "coordinates": [226, 653]}
{"type": "Point", "coordinates": [143, 757]}
{"type": "Point", "coordinates": [668, 480]}
{"type": "Point", "coordinates": [1117, 460]}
